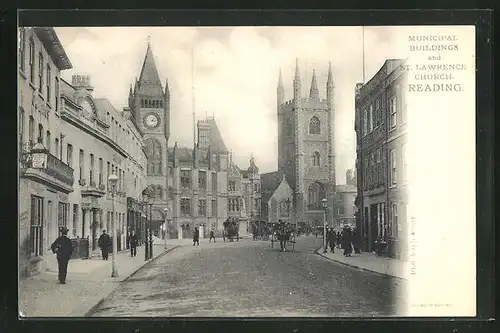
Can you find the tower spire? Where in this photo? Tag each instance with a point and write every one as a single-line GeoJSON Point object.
{"type": "Point", "coordinates": [329, 84]}
{"type": "Point", "coordinates": [193, 96]}
{"type": "Point", "coordinates": [149, 80]}
{"type": "Point", "coordinates": [314, 92]}
{"type": "Point", "coordinates": [280, 91]}
{"type": "Point", "coordinates": [297, 70]}
{"type": "Point", "coordinates": [296, 82]}
{"type": "Point", "coordinates": [330, 76]}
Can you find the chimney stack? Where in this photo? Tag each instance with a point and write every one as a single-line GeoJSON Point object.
{"type": "Point", "coordinates": [80, 81]}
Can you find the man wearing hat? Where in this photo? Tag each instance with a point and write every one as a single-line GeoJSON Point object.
{"type": "Point", "coordinates": [63, 248]}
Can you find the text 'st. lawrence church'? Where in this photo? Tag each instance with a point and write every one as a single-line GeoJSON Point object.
{"type": "Point", "coordinates": [306, 160]}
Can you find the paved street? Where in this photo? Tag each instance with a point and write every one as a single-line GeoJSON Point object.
{"type": "Point", "coordinates": [249, 278]}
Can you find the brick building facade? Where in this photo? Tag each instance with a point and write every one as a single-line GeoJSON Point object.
{"type": "Point", "coordinates": [380, 158]}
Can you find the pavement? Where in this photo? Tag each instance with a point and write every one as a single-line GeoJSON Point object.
{"type": "Point", "coordinates": [88, 282]}
{"type": "Point", "coordinates": [370, 262]}
{"type": "Point", "coordinates": [251, 279]}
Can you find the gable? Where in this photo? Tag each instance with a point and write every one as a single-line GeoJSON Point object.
{"type": "Point", "coordinates": [283, 191]}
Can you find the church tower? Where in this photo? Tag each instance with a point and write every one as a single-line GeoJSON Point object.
{"type": "Point", "coordinates": [306, 156]}
{"type": "Point", "coordinates": [150, 105]}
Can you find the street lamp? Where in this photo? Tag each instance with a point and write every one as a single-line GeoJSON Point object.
{"type": "Point", "coordinates": [113, 179]}
{"type": "Point", "coordinates": [166, 222]}
{"type": "Point", "coordinates": [148, 246]}
{"type": "Point", "coordinates": [324, 204]}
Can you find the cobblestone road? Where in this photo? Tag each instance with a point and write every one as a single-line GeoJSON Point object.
{"type": "Point", "coordinates": [249, 278]}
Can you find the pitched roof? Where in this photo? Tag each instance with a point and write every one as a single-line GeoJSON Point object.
{"type": "Point", "coordinates": [183, 154]}
{"type": "Point", "coordinates": [149, 80]}
{"type": "Point", "coordinates": [269, 182]}
{"type": "Point", "coordinates": [103, 104]}
{"type": "Point", "coordinates": [216, 141]}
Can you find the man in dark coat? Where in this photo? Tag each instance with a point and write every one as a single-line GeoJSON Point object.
{"type": "Point", "coordinates": [331, 240]}
{"type": "Point", "coordinates": [212, 235]}
{"type": "Point", "coordinates": [196, 236]}
{"type": "Point", "coordinates": [356, 241]}
{"type": "Point", "coordinates": [63, 248]}
{"type": "Point", "coordinates": [104, 243]}
{"type": "Point", "coordinates": [133, 241]}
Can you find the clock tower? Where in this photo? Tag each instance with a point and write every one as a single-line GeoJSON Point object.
{"type": "Point", "coordinates": [149, 102]}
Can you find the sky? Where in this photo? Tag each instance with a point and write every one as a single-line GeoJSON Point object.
{"type": "Point", "coordinates": [235, 76]}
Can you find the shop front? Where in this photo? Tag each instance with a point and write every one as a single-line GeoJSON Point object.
{"type": "Point", "coordinates": [44, 185]}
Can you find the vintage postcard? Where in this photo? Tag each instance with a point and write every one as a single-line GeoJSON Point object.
{"type": "Point", "coordinates": [247, 171]}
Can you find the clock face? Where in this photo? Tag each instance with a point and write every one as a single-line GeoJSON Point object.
{"type": "Point", "coordinates": [151, 121]}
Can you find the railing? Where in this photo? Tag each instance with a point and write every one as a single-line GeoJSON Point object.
{"type": "Point", "coordinates": [59, 170]}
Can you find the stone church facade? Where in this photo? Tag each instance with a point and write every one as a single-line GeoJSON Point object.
{"type": "Point", "coordinates": [306, 158]}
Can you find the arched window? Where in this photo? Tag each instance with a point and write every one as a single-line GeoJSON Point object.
{"type": "Point", "coordinates": [161, 104]}
{"type": "Point", "coordinates": [31, 131]}
{"type": "Point", "coordinates": [316, 159]}
{"type": "Point", "coordinates": [56, 147]}
{"type": "Point", "coordinates": [314, 126]}
{"type": "Point", "coordinates": [49, 138]}
{"type": "Point", "coordinates": [153, 148]}
{"type": "Point", "coordinates": [21, 125]}
{"type": "Point", "coordinates": [316, 192]}
{"type": "Point", "coordinates": [40, 133]}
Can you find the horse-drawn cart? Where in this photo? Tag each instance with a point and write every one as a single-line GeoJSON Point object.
{"type": "Point", "coordinates": [231, 230]}
{"type": "Point", "coordinates": [260, 230]}
{"type": "Point", "coordinates": [284, 233]}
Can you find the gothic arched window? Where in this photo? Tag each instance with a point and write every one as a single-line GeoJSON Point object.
{"type": "Point", "coordinates": [316, 159]}
{"type": "Point", "coordinates": [315, 193]}
{"type": "Point", "coordinates": [314, 126]}
{"type": "Point", "coordinates": [153, 148]}
{"type": "Point", "coordinates": [284, 208]}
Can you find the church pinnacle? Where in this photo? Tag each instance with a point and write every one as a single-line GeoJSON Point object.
{"type": "Point", "coordinates": [297, 70]}
{"type": "Point", "coordinates": [314, 92]}
{"type": "Point", "coordinates": [329, 82]}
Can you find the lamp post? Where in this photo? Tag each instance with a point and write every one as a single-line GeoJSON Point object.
{"type": "Point", "coordinates": [145, 199]}
{"type": "Point", "coordinates": [150, 231]}
{"type": "Point", "coordinates": [324, 204]}
{"type": "Point", "coordinates": [166, 222]}
{"type": "Point", "coordinates": [113, 179]}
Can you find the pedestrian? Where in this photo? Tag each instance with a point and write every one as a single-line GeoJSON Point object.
{"type": "Point", "coordinates": [133, 241]}
{"type": "Point", "coordinates": [104, 243]}
{"type": "Point", "coordinates": [331, 240]}
{"type": "Point", "coordinates": [196, 236]}
{"type": "Point", "coordinates": [349, 242]}
{"type": "Point", "coordinates": [356, 242]}
{"type": "Point", "coordinates": [63, 249]}
{"type": "Point", "coordinates": [345, 241]}
{"type": "Point", "coordinates": [212, 235]}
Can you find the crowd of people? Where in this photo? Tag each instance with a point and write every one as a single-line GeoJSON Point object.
{"type": "Point", "coordinates": [348, 239]}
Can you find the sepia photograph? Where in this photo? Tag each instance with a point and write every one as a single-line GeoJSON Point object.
{"type": "Point", "coordinates": [247, 171]}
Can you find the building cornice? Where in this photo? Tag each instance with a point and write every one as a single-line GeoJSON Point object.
{"type": "Point", "coordinates": [69, 117]}
{"type": "Point", "coordinates": [54, 48]}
